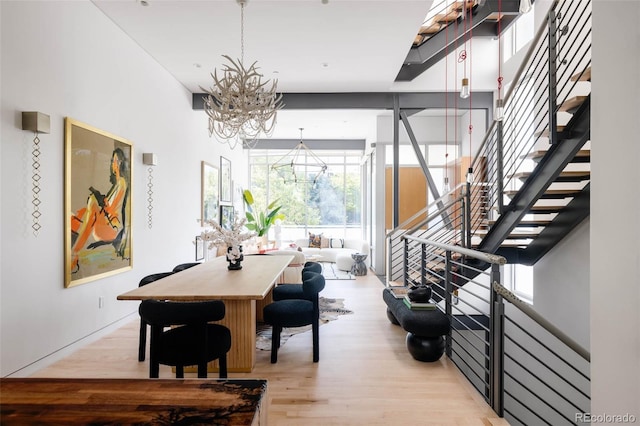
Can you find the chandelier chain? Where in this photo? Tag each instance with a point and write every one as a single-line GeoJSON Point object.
{"type": "Point", "coordinates": [35, 189]}
{"type": "Point", "coordinates": [242, 32]}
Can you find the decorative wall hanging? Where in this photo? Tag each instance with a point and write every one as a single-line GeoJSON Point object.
{"type": "Point", "coordinates": [226, 217]}
{"type": "Point", "coordinates": [98, 191]}
{"type": "Point", "coordinates": [225, 180]}
{"type": "Point", "coordinates": [210, 187]}
{"type": "Point", "coordinates": [36, 122]}
{"type": "Point", "coordinates": [149, 159]}
{"type": "Point", "coordinates": [199, 243]}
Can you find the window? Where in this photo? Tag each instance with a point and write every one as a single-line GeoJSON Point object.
{"type": "Point", "coordinates": [518, 35]}
{"type": "Point", "coordinates": [332, 206]}
{"type": "Point", "coordinates": [519, 279]}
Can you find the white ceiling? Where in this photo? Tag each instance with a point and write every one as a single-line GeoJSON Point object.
{"type": "Point", "coordinates": [341, 46]}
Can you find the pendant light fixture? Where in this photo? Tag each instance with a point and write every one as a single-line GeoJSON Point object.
{"type": "Point", "coordinates": [240, 105]}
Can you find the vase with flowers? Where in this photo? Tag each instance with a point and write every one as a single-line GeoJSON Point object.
{"type": "Point", "coordinates": [231, 238]}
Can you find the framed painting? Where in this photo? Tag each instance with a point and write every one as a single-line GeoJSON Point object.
{"type": "Point", "coordinates": [97, 203]}
{"type": "Point", "coordinates": [225, 180]}
{"type": "Point", "coordinates": [226, 217]}
{"type": "Point", "coordinates": [209, 193]}
{"type": "Point", "coordinates": [199, 242]}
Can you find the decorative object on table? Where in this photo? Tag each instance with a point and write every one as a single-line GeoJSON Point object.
{"type": "Point", "coordinates": [420, 294]}
{"type": "Point", "coordinates": [97, 203]}
{"type": "Point", "coordinates": [225, 180]}
{"type": "Point", "coordinates": [230, 238]}
{"type": "Point", "coordinates": [300, 165]}
{"type": "Point", "coordinates": [260, 221]}
{"type": "Point", "coordinates": [149, 159]}
{"type": "Point", "coordinates": [359, 268]}
{"type": "Point", "coordinates": [240, 105]}
{"type": "Point", "coordinates": [210, 190]}
{"type": "Point", "coordinates": [36, 122]}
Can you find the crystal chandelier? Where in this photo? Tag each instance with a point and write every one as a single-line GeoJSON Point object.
{"type": "Point", "coordinates": [300, 165]}
{"type": "Point", "coordinates": [240, 105]}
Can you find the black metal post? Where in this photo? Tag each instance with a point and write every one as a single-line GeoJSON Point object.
{"type": "Point", "coordinates": [553, 57]}
{"type": "Point", "coordinates": [500, 167]}
{"type": "Point", "coordinates": [406, 262]}
{"type": "Point", "coordinates": [468, 216]}
{"type": "Point", "coordinates": [496, 355]}
{"type": "Point", "coordinates": [423, 264]}
{"type": "Point", "coordinates": [448, 285]}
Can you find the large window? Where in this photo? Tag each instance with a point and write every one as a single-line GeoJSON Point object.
{"type": "Point", "coordinates": [332, 206]}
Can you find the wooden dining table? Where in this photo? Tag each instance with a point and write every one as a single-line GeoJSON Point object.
{"type": "Point", "coordinates": [243, 291]}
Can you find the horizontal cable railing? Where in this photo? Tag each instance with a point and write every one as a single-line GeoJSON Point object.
{"type": "Point", "coordinates": [524, 366]}
{"type": "Point", "coordinates": [427, 223]}
{"type": "Point", "coordinates": [536, 106]}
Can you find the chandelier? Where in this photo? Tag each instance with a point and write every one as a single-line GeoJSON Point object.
{"type": "Point", "coordinates": [240, 105]}
{"type": "Point", "coordinates": [300, 165]}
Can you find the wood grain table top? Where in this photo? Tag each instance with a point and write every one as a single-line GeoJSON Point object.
{"type": "Point", "coordinates": [25, 401]}
{"type": "Point", "coordinates": [212, 280]}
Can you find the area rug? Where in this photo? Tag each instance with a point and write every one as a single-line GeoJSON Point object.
{"type": "Point", "coordinates": [331, 272]}
{"type": "Point", "coordinates": [330, 310]}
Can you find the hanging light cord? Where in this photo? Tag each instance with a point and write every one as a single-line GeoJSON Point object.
{"type": "Point", "coordinates": [242, 32]}
{"type": "Point", "coordinates": [499, 49]}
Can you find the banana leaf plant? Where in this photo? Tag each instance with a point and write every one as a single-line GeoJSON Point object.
{"type": "Point", "coordinates": [260, 222]}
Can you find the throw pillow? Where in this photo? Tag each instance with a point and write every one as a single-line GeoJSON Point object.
{"type": "Point", "coordinates": [325, 242]}
{"type": "Point", "coordinates": [337, 243]}
{"type": "Point", "coordinates": [315, 240]}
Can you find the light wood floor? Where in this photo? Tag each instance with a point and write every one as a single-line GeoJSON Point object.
{"type": "Point", "coordinates": [365, 375]}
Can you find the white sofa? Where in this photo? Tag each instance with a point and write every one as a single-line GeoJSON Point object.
{"type": "Point", "coordinates": [336, 250]}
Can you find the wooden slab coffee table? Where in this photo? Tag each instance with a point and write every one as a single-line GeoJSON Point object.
{"type": "Point", "coordinates": [26, 401]}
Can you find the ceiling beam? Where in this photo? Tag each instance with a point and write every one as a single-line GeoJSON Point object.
{"type": "Point", "coordinates": [373, 100]}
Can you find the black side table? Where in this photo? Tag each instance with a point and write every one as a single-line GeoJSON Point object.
{"type": "Point", "coordinates": [359, 268]}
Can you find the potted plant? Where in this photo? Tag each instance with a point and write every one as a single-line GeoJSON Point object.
{"type": "Point", "coordinates": [260, 221]}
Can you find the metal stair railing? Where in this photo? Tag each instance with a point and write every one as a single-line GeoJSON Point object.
{"type": "Point", "coordinates": [427, 223]}
{"type": "Point", "coordinates": [560, 50]}
{"type": "Point", "coordinates": [527, 369]}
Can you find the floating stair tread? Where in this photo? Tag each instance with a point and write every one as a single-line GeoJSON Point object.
{"type": "Point", "coordinates": [565, 176]}
{"type": "Point", "coordinates": [430, 29]}
{"type": "Point", "coordinates": [529, 223]}
{"type": "Point", "coordinates": [583, 154]}
{"type": "Point", "coordinates": [545, 133]}
{"type": "Point", "coordinates": [584, 76]}
{"type": "Point", "coordinates": [571, 104]}
{"type": "Point", "coordinates": [457, 5]}
{"type": "Point", "coordinates": [546, 209]}
{"type": "Point", "coordinates": [517, 235]}
{"type": "Point", "coordinates": [445, 19]}
{"type": "Point", "coordinates": [550, 193]}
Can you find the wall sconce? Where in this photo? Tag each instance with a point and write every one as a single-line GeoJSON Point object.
{"type": "Point", "coordinates": [149, 159]}
{"type": "Point", "coordinates": [36, 122]}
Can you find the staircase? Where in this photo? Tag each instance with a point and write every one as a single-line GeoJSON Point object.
{"type": "Point", "coordinates": [448, 24]}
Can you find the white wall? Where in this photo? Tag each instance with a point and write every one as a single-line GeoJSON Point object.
{"type": "Point", "coordinates": [561, 285]}
{"type": "Point", "coordinates": [615, 207]}
{"type": "Point", "coordinates": [66, 59]}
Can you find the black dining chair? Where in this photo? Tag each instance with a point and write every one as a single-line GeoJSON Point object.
{"type": "Point", "coordinates": [191, 340]}
{"type": "Point", "coordinates": [297, 313]}
{"type": "Point", "coordinates": [294, 291]}
{"type": "Point", "coordinates": [183, 266]}
{"type": "Point", "coordinates": [142, 343]}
